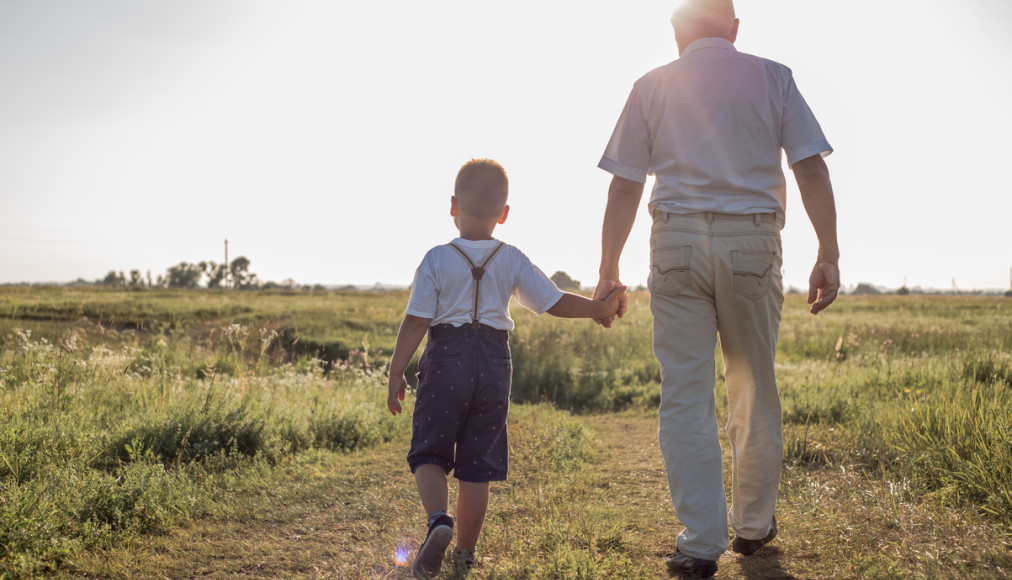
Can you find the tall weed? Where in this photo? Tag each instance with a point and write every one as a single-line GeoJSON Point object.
{"type": "Point", "coordinates": [99, 444]}
{"type": "Point", "coordinates": [959, 445]}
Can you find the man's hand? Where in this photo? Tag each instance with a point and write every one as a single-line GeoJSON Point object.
{"type": "Point", "coordinates": [817, 195]}
{"type": "Point", "coordinates": [604, 290]}
{"type": "Point", "coordinates": [823, 285]}
{"type": "Point", "coordinates": [396, 389]}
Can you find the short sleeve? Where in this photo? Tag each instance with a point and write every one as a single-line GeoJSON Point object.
{"type": "Point", "coordinates": [534, 290]}
{"type": "Point", "coordinates": [628, 152]}
{"type": "Point", "coordinates": [424, 291]}
{"type": "Point", "coordinates": [801, 135]}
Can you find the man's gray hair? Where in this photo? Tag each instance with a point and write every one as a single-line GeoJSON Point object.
{"type": "Point", "coordinates": [704, 17]}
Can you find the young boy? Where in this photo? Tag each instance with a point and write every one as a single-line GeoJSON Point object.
{"type": "Point", "coordinates": [460, 296]}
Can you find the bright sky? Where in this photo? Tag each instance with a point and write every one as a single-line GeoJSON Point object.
{"type": "Point", "coordinates": [321, 138]}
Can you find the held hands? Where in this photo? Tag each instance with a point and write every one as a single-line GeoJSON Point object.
{"type": "Point", "coordinates": [823, 285]}
{"type": "Point", "coordinates": [613, 293]}
{"type": "Point", "coordinates": [397, 386]}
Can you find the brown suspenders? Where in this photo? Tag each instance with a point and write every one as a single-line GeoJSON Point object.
{"type": "Point", "coordinates": [477, 272]}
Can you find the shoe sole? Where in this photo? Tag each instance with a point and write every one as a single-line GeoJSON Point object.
{"type": "Point", "coordinates": [430, 555]}
{"type": "Point", "coordinates": [694, 572]}
{"type": "Point", "coordinates": [749, 547]}
{"type": "Point", "coordinates": [689, 567]}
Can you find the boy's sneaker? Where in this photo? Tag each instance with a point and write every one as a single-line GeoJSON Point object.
{"type": "Point", "coordinates": [689, 567]}
{"type": "Point", "coordinates": [749, 547]}
{"type": "Point", "coordinates": [430, 554]}
{"type": "Point", "coordinates": [462, 558]}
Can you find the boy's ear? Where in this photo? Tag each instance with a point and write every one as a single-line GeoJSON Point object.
{"type": "Point", "coordinates": [505, 213]}
{"type": "Point", "coordinates": [454, 210]}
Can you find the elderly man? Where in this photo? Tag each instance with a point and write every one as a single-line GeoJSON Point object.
{"type": "Point", "coordinates": [710, 126]}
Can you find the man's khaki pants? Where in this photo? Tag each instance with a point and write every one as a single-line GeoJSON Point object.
{"type": "Point", "coordinates": [718, 275]}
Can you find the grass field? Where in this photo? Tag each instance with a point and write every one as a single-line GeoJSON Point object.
{"type": "Point", "coordinates": [157, 433]}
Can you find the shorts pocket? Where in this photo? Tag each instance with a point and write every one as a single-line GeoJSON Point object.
{"type": "Point", "coordinates": [752, 272]}
{"type": "Point", "coordinates": [670, 272]}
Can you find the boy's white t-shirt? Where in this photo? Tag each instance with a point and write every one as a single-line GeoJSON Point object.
{"type": "Point", "coordinates": [443, 289]}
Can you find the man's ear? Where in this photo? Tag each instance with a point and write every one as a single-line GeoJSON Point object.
{"type": "Point", "coordinates": [734, 32]}
{"type": "Point", "coordinates": [454, 210]}
{"type": "Point", "coordinates": [505, 213]}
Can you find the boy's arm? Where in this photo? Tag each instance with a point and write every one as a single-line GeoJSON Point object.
{"type": "Point", "coordinates": [576, 306]}
{"type": "Point", "coordinates": [410, 335]}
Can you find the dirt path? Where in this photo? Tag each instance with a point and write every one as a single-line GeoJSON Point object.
{"type": "Point", "coordinates": [635, 466]}
{"type": "Point", "coordinates": [346, 516]}
{"type": "Point", "coordinates": [338, 518]}
{"type": "Point", "coordinates": [835, 522]}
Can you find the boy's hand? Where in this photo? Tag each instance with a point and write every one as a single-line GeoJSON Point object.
{"type": "Point", "coordinates": [613, 293]}
{"type": "Point", "coordinates": [396, 389]}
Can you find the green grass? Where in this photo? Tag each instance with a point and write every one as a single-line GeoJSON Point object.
{"type": "Point", "coordinates": [97, 446]}
{"type": "Point", "coordinates": [325, 325]}
{"type": "Point", "coordinates": [127, 412]}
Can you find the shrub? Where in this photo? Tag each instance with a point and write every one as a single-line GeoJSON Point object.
{"type": "Point", "coordinates": [191, 435]}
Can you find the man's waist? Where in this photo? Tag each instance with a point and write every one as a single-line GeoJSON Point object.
{"type": "Point", "coordinates": [710, 217]}
{"type": "Point", "coordinates": [685, 201]}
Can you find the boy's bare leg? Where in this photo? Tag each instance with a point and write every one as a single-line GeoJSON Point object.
{"type": "Point", "coordinates": [431, 482]}
{"type": "Point", "coordinates": [472, 502]}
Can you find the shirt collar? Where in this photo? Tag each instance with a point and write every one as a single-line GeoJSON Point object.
{"type": "Point", "coordinates": [701, 44]}
{"type": "Point", "coordinates": [476, 244]}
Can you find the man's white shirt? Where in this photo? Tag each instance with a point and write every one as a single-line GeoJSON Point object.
{"type": "Point", "coordinates": [711, 126]}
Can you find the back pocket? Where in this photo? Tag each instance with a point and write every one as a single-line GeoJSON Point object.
{"type": "Point", "coordinates": [751, 272]}
{"type": "Point", "coordinates": [670, 272]}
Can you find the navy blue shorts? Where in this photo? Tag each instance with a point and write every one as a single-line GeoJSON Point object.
{"type": "Point", "coordinates": [459, 421]}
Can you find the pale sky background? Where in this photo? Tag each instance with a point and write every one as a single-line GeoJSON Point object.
{"type": "Point", "coordinates": [322, 138]}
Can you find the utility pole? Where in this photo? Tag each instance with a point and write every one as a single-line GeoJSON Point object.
{"type": "Point", "coordinates": [227, 269]}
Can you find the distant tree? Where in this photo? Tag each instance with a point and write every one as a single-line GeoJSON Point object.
{"type": "Point", "coordinates": [903, 291]}
{"type": "Point", "coordinates": [564, 282]}
{"type": "Point", "coordinates": [114, 278]}
{"type": "Point", "coordinates": [135, 278]}
{"type": "Point", "coordinates": [864, 289]}
{"type": "Point", "coordinates": [184, 275]}
{"type": "Point", "coordinates": [216, 274]}
{"type": "Point", "coordinates": [242, 278]}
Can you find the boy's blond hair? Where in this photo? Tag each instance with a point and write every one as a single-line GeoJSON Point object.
{"type": "Point", "coordinates": [481, 188]}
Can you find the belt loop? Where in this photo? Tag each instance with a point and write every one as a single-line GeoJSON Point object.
{"type": "Point", "coordinates": [757, 219]}
{"type": "Point", "coordinates": [710, 217]}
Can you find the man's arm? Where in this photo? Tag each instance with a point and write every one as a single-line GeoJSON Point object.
{"type": "Point", "coordinates": [620, 214]}
{"type": "Point", "coordinates": [816, 190]}
{"type": "Point", "coordinates": [409, 336]}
